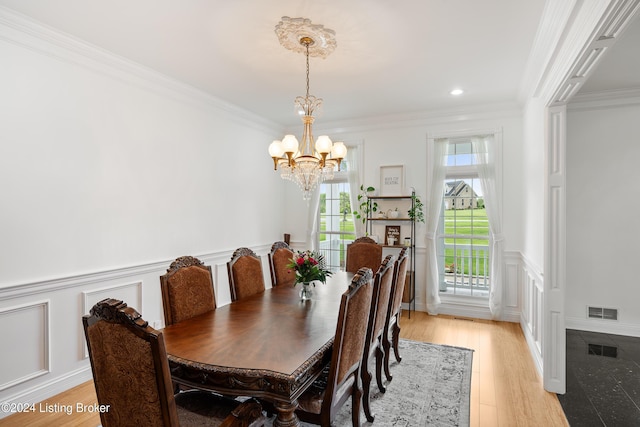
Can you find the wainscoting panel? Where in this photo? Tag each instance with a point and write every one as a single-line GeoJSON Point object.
{"type": "Point", "coordinates": [532, 310]}
{"type": "Point", "coordinates": [33, 315]}
{"type": "Point", "coordinates": [25, 343]}
{"type": "Point", "coordinates": [512, 299]}
{"type": "Point", "coordinates": [512, 289]}
{"type": "Point", "coordinates": [131, 293]}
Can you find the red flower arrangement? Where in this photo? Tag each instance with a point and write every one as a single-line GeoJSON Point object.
{"type": "Point", "coordinates": [309, 266]}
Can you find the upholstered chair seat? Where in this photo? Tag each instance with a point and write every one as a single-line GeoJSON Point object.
{"type": "Point", "coordinates": [311, 400]}
{"type": "Point", "coordinates": [201, 408]}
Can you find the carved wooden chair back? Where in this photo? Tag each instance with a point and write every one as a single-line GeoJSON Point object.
{"type": "Point", "coordinates": [120, 341]}
{"type": "Point", "coordinates": [187, 290]}
{"type": "Point", "coordinates": [382, 282]}
{"type": "Point", "coordinates": [131, 374]}
{"type": "Point", "coordinates": [245, 274]}
{"type": "Point", "coordinates": [363, 252]}
{"type": "Point", "coordinates": [279, 256]}
{"type": "Point", "coordinates": [321, 403]}
{"type": "Point", "coordinates": [391, 332]}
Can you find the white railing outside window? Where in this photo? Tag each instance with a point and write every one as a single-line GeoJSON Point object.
{"type": "Point", "coordinates": [468, 274]}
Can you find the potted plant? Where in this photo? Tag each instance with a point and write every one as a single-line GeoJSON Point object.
{"type": "Point", "coordinates": [363, 210]}
{"type": "Point", "coordinates": [416, 213]}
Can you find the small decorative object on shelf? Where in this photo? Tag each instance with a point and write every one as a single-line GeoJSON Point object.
{"type": "Point", "coordinates": [309, 267]}
{"type": "Point", "coordinates": [393, 234]}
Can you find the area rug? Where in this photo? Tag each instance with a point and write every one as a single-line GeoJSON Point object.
{"type": "Point", "coordinates": [430, 387]}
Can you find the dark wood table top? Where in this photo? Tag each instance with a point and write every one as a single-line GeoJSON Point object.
{"type": "Point", "coordinates": [270, 345]}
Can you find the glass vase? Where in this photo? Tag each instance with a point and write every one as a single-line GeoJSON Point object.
{"type": "Point", "coordinates": [306, 291]}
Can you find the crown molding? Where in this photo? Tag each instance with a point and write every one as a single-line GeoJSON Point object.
{"type": "Point", "coordinates": [605, 99]}
{"type": "Point", "coordinates": [555, 17]}
{"type": "Point", "coordinates": [25, 32]}
{"type": "Point", "coordinates": [497, 111]}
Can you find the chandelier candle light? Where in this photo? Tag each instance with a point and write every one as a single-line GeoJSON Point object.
{"type": "Point", "coordinates": [306, 163]}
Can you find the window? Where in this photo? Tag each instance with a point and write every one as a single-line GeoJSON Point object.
{"type": "Point", "coordinates": [335, 221]}
{"type": "Point", "coordinates": [463, 233]}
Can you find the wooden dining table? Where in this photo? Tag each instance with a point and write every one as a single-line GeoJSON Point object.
{"type": "Point", "coordinates": [270, 346]}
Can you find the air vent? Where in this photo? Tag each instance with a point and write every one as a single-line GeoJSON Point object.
{"type": "Point", "coordinates": [603, 313]}
{"type": "Point", "coordinates": [603, 350]}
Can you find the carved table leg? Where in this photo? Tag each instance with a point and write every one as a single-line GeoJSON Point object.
{"type": "Point", "coordinates": [286, 414]}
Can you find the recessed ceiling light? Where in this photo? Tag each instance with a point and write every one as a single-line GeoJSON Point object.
{"type": "Point", "coordinates": [456, 92]}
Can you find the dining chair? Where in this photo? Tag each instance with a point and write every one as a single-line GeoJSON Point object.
{"type": "Point", "coordinates": [363, 252]}
{"type": "Point", "coordinates": [391, 332]}
{"type": "Point", "coordinates": [373, 343]}
{"type": "Point", "coordinates": [280, 256]}
{"type": "Point", "coordinates": [132, 379]}
{"type": "Point", "coordinates": [245, 274]}
{"type": "Point", "coordinates": [340, 381]}
{"type": "Point", "coordinates": [187, 290]}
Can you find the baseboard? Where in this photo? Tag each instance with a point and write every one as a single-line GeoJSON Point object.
{"type": "Point", "coordinates": [536, 355]}
{"type": "Point", "coordinates": [49, 389]}
{"type": "Point", "coordinates": [603, 326]}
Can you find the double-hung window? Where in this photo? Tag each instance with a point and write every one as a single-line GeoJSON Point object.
{"type": "Point", "coordinates": [463, 232]}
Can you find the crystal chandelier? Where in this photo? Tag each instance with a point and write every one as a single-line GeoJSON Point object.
{"type": "Point", "coordinates": [306, 163]}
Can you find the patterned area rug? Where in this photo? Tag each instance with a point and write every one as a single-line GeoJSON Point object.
{"type": "Point", "coordinates": [430, 387]}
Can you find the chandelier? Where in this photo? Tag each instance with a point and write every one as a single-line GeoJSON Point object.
{"type": "Point", "coordinates": [307, 163]}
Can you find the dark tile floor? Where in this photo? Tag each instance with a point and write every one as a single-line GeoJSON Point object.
{"type": "Point", "coordinates": [603, 380]}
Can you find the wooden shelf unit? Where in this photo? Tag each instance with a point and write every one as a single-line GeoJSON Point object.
{"type": "Point", "coordinates": [376, 223]}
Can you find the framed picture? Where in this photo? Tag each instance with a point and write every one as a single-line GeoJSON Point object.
{"type": "Point", "coordinates": [392, 180]}
{"type": "Point", "coordinates": [392, 235]}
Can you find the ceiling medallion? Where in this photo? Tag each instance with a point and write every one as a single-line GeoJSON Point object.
{"type": "Point", "coordinates": [291, 31]}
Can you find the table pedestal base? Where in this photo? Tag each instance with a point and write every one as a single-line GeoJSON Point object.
{"type": "Point", "coordinates": [286, 414]}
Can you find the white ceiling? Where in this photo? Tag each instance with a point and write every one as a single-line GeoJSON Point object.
{"type": "Point", "coordinates": [393, 57]}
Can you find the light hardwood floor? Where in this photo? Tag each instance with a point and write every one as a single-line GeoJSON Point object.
{"type": "Point", "coordinates": [505, 388]}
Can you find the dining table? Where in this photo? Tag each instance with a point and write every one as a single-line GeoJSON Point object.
{"type": "Point", "coordinates": [270, 346]}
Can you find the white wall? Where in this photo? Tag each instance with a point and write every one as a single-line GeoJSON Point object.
{"type": "Point", "coordinates": [102, 173]}
{"type": "Point", "coordinates": [533, 176]}
{"type": "Point", "coordinates": [110, 171]}
{"type": "Point", "coordinates": [603, 202]}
